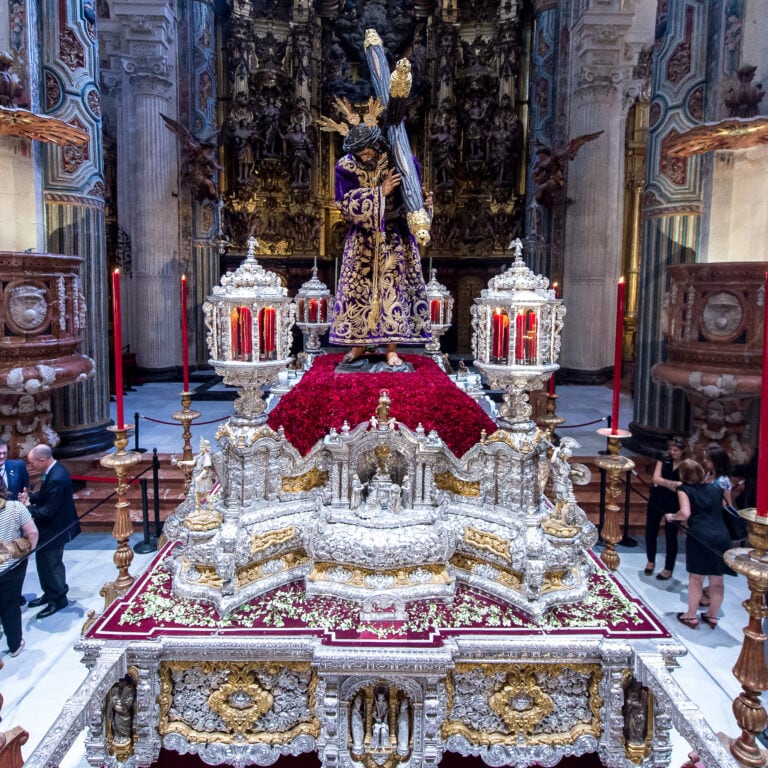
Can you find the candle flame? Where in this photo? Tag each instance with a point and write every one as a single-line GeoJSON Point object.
{"type": "Point", "coordinates": [621, 279]}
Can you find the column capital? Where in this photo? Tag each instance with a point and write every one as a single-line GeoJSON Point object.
{"type": "Point", "coordinates": [145, 21]}
{"type": "Point", "coordinates": [149, 79]}
{"type": "Point", "coordinates": [605, 58]}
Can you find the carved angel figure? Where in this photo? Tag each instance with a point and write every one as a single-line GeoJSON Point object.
{"type": "Point", "coordinates": [200, 168]}
{"type": "Point", "coordinates": [549, 171]}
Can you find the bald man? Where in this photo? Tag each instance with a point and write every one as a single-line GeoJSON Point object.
{"type": "Point", "coordinates": [53, 510]}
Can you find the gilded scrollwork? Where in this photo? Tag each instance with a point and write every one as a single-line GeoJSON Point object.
{"type": "Point", "coordinates": [497, 704]}
{"type": "Point", "coordinates": [230, 702]}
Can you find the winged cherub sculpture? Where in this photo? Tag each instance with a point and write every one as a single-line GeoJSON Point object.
{"type": "Point", "coordinates": [549, 171]}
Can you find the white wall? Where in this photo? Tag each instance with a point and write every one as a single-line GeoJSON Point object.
{"type": "Point", "coordinates": [21, 214]}
{"type": "Point", "coordinates": [735, 227]}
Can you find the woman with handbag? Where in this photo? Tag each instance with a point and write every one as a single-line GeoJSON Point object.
{"type": "Point", "coordinates": [18, 537]}
{"type": "Point", "coordinates": [661, 501]}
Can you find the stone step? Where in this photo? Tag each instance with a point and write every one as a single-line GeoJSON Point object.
{"type": "Point", "coordinates": [95, 485]}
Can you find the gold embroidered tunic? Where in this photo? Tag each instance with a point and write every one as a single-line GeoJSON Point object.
{"type": "Point", "coordinates": [381, 296]}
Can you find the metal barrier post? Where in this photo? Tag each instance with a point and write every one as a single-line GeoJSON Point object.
{"type": "Point", "coordinates": [156, 492]}
{"type": "Point", "coordinates": [149, 544]}
{"type": "Point", "coordinates": [602, 505]}
{"type": "Point", "coordinates": [136, 434]}
{"type": "Point", "coordinates": [627, 540]}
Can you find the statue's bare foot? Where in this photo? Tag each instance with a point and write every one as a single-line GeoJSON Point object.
{"type": "Point", "coordinates": [393, 359]}
{"type": "Point", "coordinates": [354, 354]}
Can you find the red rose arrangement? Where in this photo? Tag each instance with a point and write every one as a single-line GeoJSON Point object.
{"type": "Point", "coordinates": [324, 399]}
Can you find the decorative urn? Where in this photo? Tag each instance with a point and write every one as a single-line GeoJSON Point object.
{"type": "Point", "coordinates": [516, 336]}
{"type": "Point", "coordinates": [249, 318]}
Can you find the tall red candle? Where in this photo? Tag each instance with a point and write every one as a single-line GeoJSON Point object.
{"type": "Point", "coordinates": [184, 333]}
{"type": "Point", "coordinates": [551, 389]}
{"type": "Point", "coordinates": [762, 454]}
{"type": "Point", "coordinates": [117, 330]}
{"type": "Point", "coordinates": [618, 354]}
{"type": "Point", "coordinates": [313, 310]}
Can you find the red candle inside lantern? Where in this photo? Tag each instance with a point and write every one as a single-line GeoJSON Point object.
{"type": "Point", "coordinates": [246, 332]}
{"type": "Point", "coordinates": [531, 336]}
{"type": "Point", "coordinates": [762, 453]}
{"type": "Point", "coordinates": [323, 310]}
{"type": "Point", "coordinates": [117, 331]}
{"type": "Point", "coordinates": [500, 333]}
{"type": "Point", "coordinates": [618, 355]}
{"type": "Point", "coordinates": [184, 333]}
{"type": "Point", "coordinates": [520, 337]}
{"type": "Point", "coordinates": [267, 331]}
{"type": "Point", "coordinates": [313, 310]}
{"type": "Point", "coordinates": [234, 332]}
{"type": "Point", "coordinates": [301, 310]}
{"type": "Point", "coordinates": [434, 311]}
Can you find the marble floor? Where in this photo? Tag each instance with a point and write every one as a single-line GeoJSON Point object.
{"type": "Point", "coordinates": [37, 683]}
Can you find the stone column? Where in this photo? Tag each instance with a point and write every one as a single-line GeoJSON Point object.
{"type": "Point", "coordinates": [205, 219]}
{"type": "Point", "coordinates": [73, 197]}
{"type": "Point", "coordinates": [672, 207]}
{"type": "Point", "coordinates": [592, 252]}
{"type": "Point", "coordinates": [143, 67]}
{"type": "Point", "coordinates": [542, 127]}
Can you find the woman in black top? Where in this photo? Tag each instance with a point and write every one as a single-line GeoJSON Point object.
{"type": "Point", "coordinates": [661, 501]}
{"type": "Point", "coordinates": [701, 506]}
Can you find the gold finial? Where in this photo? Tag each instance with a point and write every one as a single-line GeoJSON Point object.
{"type": "Point", "coordinates": [372, 38]}
{"type": "Point", "coordinates": [400, 80]}
{"type": "Point", "coordinates": [382, 410]}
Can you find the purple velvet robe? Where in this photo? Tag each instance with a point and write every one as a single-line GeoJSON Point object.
{"type": "Point", "coordinates": [384, 300]}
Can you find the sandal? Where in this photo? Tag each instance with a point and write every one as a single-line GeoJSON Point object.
{"type": "Point", "coordinates": [648, 570]}
{"type": "Point", "coordinates": [710, 621]}
{"type": "Point", "coordinates": [690, 623]}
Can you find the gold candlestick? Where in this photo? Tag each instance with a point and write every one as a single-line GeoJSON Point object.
{"type": "Point", "coordinates": [750, 668]}
{"type": "Point", "coordinates": [614, 465]}
{"type": "Point", "coordinates": [550, 421]}
{"type": "Point", "coordinates": [120, 462]}
{"type": "Point", "coordinates": [186, 416]}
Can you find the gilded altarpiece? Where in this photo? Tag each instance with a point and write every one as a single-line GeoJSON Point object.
{"type": "Point", "coordinates": [283, 67]}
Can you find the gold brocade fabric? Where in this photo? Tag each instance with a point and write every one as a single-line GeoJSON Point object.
{"type": "Point", "coordinates": [381, 296]}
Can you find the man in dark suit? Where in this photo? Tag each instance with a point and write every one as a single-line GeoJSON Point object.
{"type": "Point", "coordinates": [13, 473]}
{"type": "Point", "coordinates": [53, 510]}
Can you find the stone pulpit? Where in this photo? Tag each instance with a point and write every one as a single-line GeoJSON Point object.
{"type": "Point", "coordinates": [712, 321]}
{"type": "Point", "coordinates": [42, 320]}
